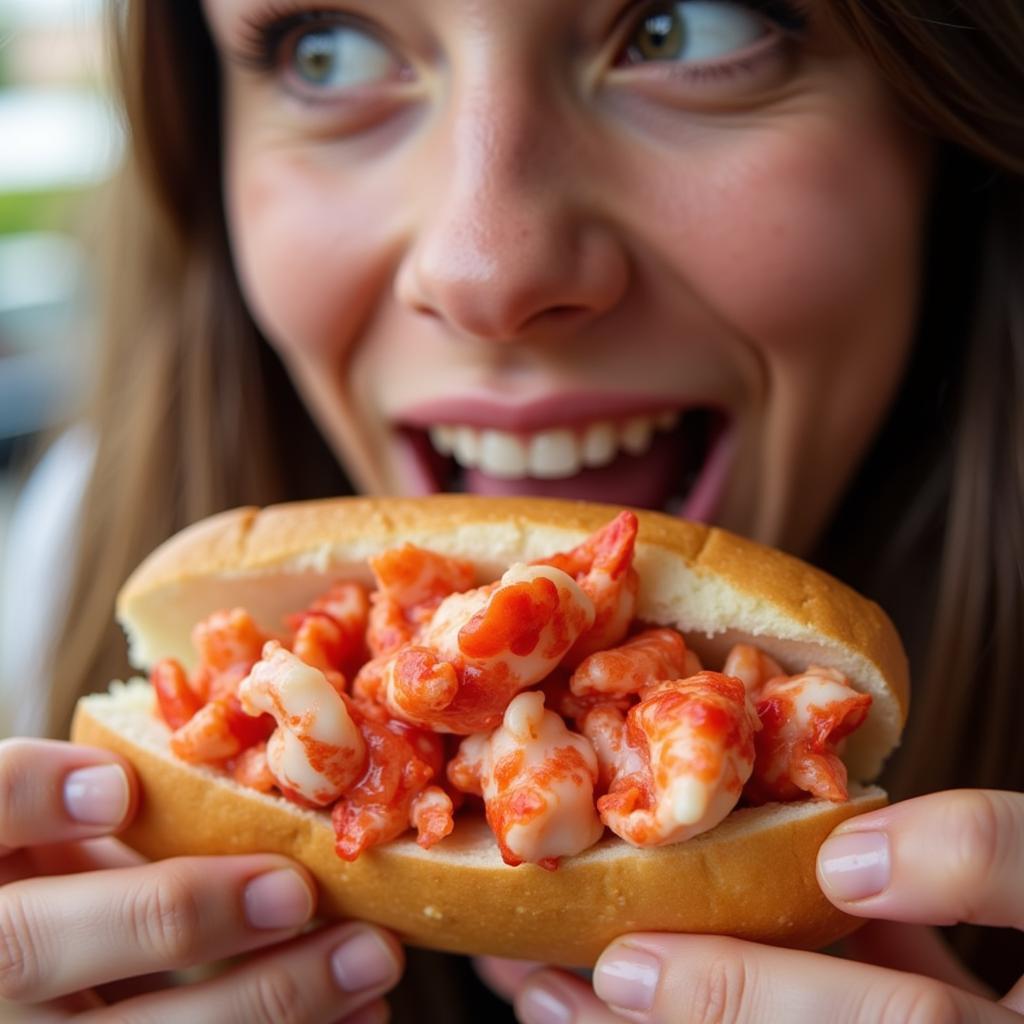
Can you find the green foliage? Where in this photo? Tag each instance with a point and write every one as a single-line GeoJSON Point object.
{"type": "Point", "coordinates": [38, 211]}
{"type": "Point", "coordinates": [6, 34]}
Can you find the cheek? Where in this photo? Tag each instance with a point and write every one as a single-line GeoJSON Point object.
{"type": "Point", "coordinates": [804, 241]}
{"type": "Point", "coordinates": [309, 253]}
{"type": "Point", "coordinates": [808, 239]}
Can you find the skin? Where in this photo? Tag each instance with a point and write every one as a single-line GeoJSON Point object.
{"type": "Point", "coordinates": [577, 224]}
{"type": "Point", "coordinates": [62, 879]}
{"type": "Point", "coordinates": [953, 857]}
{"type": "Point", "coordinates": [756, 239]}
{"type": "Point", "coordinates": [517, 213]}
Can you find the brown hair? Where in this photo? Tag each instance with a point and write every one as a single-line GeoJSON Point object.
{"type": "Point", "coordinates": [936, 520]}
{"type": "Point", "coordinates": [192, 412]}
{"type": "Point", "coordinates": [933, 526]}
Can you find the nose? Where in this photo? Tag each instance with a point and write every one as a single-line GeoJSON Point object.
{"type": "Point", "coordinates": [511, 248]}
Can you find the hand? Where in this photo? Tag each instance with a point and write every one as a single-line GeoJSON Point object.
{"type": "Point", "coordinates": [64, 933]}
{"type": "Point", "coordinates": [937, 860]}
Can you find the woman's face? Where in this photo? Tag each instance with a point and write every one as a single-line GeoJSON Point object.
{"type": "Point", "coordinates": [660, 254]}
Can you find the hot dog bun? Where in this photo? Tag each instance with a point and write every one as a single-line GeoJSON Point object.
{"type": "Point", "coordinates": [752, 876]}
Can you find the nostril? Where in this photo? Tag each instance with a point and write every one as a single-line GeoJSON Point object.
{"type": "Point", "coordinates": [562, 312]}
{"type": "Point", "coordinates": [505, 326]}
{"type": "Point", "coordinates": [555, 319]}
{"type": "Point", "coordinates": [425, 309]}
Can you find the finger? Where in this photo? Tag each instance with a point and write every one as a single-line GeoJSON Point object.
{"type": "Point", "coordinates": [939, 859]}
{"type": "Point", "coordinates": [505, 977]}
{"type": "Point", "coordinates": [89, 855]}
{"type": "Point", "coordinates": [655, 979]}
{"type": "Point", "coordinates": [377, 1012]}
{"type": "Point", "coordinates": [60, 935]}
{"type": "Point", "coordinates": [554, 997]}
{"type": "Point", "coordinates": [58, 1010]}
{"type": "Point", "coordinates": [325, 976]}
{"type": "Point", "coordinates": [52, 792]}
{"type": "Point", "coordinates": [915, 949]}
{"type": "Point", "coordinates": [67, 858]}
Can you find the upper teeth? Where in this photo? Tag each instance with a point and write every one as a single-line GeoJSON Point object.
{"type": "Point", "coordinates": [548, 454]}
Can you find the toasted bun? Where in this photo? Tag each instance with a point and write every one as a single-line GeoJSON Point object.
{"type": "Point", "coordinates": [752, 876]}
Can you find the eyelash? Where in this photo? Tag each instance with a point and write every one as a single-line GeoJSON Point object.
{"type": "Point", "coordinates": [790, 17]}
{"type": "Point", "coordinates": [264, 33]}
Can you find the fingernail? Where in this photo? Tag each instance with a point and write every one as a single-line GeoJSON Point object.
{"type": "Point", "coordinates": [627, 978]}
{"type": "Point", "coordinates": [542, 1003]}
{"type": "Point", "coordinates": [278, 899]}
{"type": "Point", "coordinates": [363, 961]}
{"type": "Point", "coordinates": [855, 865]}
{"type": "Point", "coordinates": [97, 795]}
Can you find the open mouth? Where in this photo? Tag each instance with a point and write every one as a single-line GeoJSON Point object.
{"type": "Point", "coordinates": [673, 461]}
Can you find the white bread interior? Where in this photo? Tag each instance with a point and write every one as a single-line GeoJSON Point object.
{"type": "Point", "coordinates": [713, 586]}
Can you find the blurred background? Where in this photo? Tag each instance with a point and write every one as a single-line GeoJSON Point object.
{"type": "Point", "coordinates": [60, 139]}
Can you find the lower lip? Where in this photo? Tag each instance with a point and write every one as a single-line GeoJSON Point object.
{"type": "Point", "coordinates": [621, 482]}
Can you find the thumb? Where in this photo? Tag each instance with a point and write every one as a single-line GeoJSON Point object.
{"type": "Point", "coordinates": [939, 859]}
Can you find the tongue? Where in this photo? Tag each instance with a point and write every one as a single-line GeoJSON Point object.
{"type": "Point", "coordinates": [641, 480]}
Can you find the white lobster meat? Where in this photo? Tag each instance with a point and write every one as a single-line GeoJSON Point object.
{"type": "Point", "coordinates": [752, 667]}
{"type": "Point", "coordinates": [647, 658]}
{"type": "Point", "coordinates": [603, 566]}
{"type": "Point", "coordinates": [537, 780]}
{"type": "Point", "coordinates": [317, 750]}
{"type": "Point", "coordinates": [676, 763]}
{"type": "Point", "coordinates": [484, 646]}
{"type": "Point", "coordinates": [804, 720]}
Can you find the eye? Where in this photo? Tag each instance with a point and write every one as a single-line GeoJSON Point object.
{"type": "Point", "coordinates": [332, 57]}
{"type": "Point", "coordinates": [694, 30]}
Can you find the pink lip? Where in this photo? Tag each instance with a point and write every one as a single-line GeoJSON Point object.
{"type": "Point", "coordinates": [555, 410]}
{"type": "Point", "coordinates": [702, 503]}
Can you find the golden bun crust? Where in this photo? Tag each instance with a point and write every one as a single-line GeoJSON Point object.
{"type": "Point", "coordinates": [752, 877]}
{"type": "Point", "coordinates": [715, 587]}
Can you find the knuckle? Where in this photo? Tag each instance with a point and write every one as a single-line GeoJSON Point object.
{"type": "Point", "coordinates": [918, 1003]}
{"type": "Point", "coordinates": [165, 919]}
{"type": "Point", "coordinates": [274, 997]}
{"type": "Point", "coordinates": [14, 771]}
{"type": "Point", "coordinates": [978, 849]}
{"type": "Point", "coordinates": [720, 990]}
{"type": "Point", "coordinates": [20, 971]}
